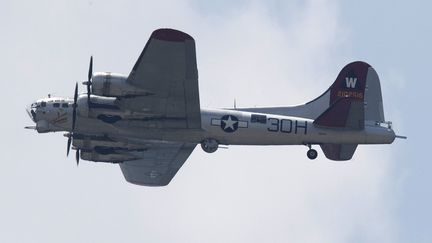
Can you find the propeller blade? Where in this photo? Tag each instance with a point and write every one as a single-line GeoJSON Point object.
{"type": "Point", "coordinates": [74, 107]}
{"type": "Point", "coordinates": [88, 93]}
{"type": "Point", "coordinates": [69, 144]}
{"type": "Point", "coordinates": [88, 96]}
{"type": "Point", "coordinates": [73, 118]}
{"type": "Point", "coordinates": [90, 73]}
{"type": "Point", "coordinates": [76, 93]}
{"type": "Point", "coordinates": [77, 156]}
{"type": "Point", "coordinates": [88, 83]}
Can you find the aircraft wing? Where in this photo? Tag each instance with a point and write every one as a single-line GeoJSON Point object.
{"type": "Point", "coordinates": [167, 71]}
{"type": "Point", "coordinates": [158, 165]}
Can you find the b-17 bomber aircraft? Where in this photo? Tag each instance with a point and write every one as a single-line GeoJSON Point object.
{"type": "Point", "coordinates": [150, 121]}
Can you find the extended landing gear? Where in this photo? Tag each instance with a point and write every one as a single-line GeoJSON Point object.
{"type": "Point", "coordinates": [311, 153]}
{"type": "Point", "coordinates": [209, 145]}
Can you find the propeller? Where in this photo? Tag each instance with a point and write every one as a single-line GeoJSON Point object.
{"type": "Point", "coordinates": [74, 106]}
{"type": "Point", "coordinates": [88, 83]}
{"type": "Point", "coordinates": [74, 111]}
{"type": "Point", "coordinates": [77, 153]}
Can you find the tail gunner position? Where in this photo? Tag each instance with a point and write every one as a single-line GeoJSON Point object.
{"type": "Point", "coordinates": [150, 121]}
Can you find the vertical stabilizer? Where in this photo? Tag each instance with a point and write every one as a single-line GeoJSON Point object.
{"type": "Point", "coordinates": [357, 81]}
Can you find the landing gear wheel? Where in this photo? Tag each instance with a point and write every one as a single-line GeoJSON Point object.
{"type": "Point", "coordinates": [312, 154]}
{"type": "Point", "coordinates": [209, 145]}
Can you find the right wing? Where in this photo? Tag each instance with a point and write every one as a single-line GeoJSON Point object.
{"type": "Point", "coordinates": [158, 165]}
{"type": "Point", "coordinates": [167, 71]}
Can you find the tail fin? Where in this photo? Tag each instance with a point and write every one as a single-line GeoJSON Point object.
{"type": "Point", "coordinates": [357, 81]}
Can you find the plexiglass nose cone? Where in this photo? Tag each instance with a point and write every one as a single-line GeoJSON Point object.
{"type": "Point", "coordinates": [31, 113]}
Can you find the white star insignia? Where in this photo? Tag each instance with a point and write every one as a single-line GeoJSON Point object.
{"type": "Point", "coordinates": [229, 123]}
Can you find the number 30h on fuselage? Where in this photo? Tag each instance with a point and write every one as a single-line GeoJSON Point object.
{"type": "Point", "coordinates": [150, 121]}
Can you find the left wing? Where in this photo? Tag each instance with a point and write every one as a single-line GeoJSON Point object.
{"type": "Point", "coordinates": [158, 165]}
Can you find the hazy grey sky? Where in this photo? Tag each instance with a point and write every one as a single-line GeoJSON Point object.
{"type": "Point", "coordinates": [261, 53]}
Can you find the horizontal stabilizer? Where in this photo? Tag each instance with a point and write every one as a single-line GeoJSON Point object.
{"type": "Point", "coordinates": [344, 113]}
{"type": "Point", "coordinates": [339, 152]}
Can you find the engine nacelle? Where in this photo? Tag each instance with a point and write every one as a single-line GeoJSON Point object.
{"type": "Point", "coordinates": [114, 85]}
{"type": "Point", "coordinates": [99, 105]}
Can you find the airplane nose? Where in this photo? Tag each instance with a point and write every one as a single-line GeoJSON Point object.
{"type": "Point", "coordinates": [31, 112]}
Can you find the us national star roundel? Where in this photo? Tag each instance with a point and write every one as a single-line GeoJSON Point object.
{"type": "Point", "coordinates": [229, 123]}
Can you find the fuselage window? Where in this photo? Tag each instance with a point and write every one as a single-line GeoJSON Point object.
{"type": "Point", "coordinates": [65, 105]}
{"type": "Point", "coordinates": [43, 103]}
{"type": "Point", "coordinates": [258, 119]}
{"type": "Point", "coordinates": [56, 105]}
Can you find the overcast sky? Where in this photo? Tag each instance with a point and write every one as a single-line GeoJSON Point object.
{"type": "Point", "coordinates": [261, 53]}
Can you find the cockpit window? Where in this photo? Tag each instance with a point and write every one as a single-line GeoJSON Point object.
{"type": "Point", "coordinates": [43, 103]}
{"type": "Point", "coordinates": [34, 105]}
{"type": "Point", "coordinates": [56, 105]}
{"type": "Point", "coordinates": [65, 105]}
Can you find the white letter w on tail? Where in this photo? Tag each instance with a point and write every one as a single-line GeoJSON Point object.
{"type": "Point", "coordinates": [350, 82]}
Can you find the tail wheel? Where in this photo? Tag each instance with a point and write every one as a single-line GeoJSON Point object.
{"type": "Point", "coordinates": [312, 154]}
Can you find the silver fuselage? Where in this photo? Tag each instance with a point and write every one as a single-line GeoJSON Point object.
{"type": "Point", "coordinates": [239, 129]}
